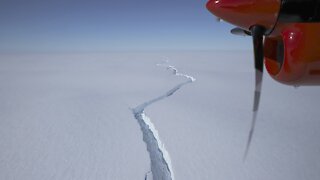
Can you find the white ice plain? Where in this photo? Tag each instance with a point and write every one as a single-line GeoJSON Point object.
{"type": "Point", "coordinates": [69, 116]}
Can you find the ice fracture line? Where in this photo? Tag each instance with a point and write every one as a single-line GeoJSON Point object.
{"type": "Point", "coordinates": [161, 167]}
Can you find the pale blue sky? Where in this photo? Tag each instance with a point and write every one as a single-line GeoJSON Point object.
{"type": "Point", "coordinates": [97, 26]}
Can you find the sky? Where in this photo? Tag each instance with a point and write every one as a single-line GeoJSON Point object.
{"type": "Point", "coordinates": [105, 25]}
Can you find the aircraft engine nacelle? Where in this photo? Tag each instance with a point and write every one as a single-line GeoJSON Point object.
{"type": "Point", "coordinates": [292, 56]}
{"type": "Point", "coordinates": [291, 30]}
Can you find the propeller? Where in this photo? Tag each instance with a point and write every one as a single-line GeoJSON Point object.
{"type": "Point", "coordinates": [257, 32]}
{"type": "Point", "coordinates": [240, 32]}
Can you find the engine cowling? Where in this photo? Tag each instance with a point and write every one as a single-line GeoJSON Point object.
{"type": "Point", "coordinates": [292, 38]}
{"type": "Point", "coordinates": [246, 13]}
{"type": "Point", "coordinates": [292, 54]}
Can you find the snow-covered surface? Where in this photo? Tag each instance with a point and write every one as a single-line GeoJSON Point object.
{"type": "Point", "coordinates": [69, 116]}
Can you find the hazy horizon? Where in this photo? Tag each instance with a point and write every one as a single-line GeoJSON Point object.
{"type": "Point", "coordinates": [101, 26]}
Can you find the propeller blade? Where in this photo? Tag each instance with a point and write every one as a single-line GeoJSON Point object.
{"type": "Point", "coordinates": [257, 37]}
{"type": "Point", "coordinates": [240, 32]}
{"type": "Point", "coordinates": [256, 102]}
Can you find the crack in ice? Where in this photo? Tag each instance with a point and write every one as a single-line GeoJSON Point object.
{"type": "Point", "coordinates": [161, 167]}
